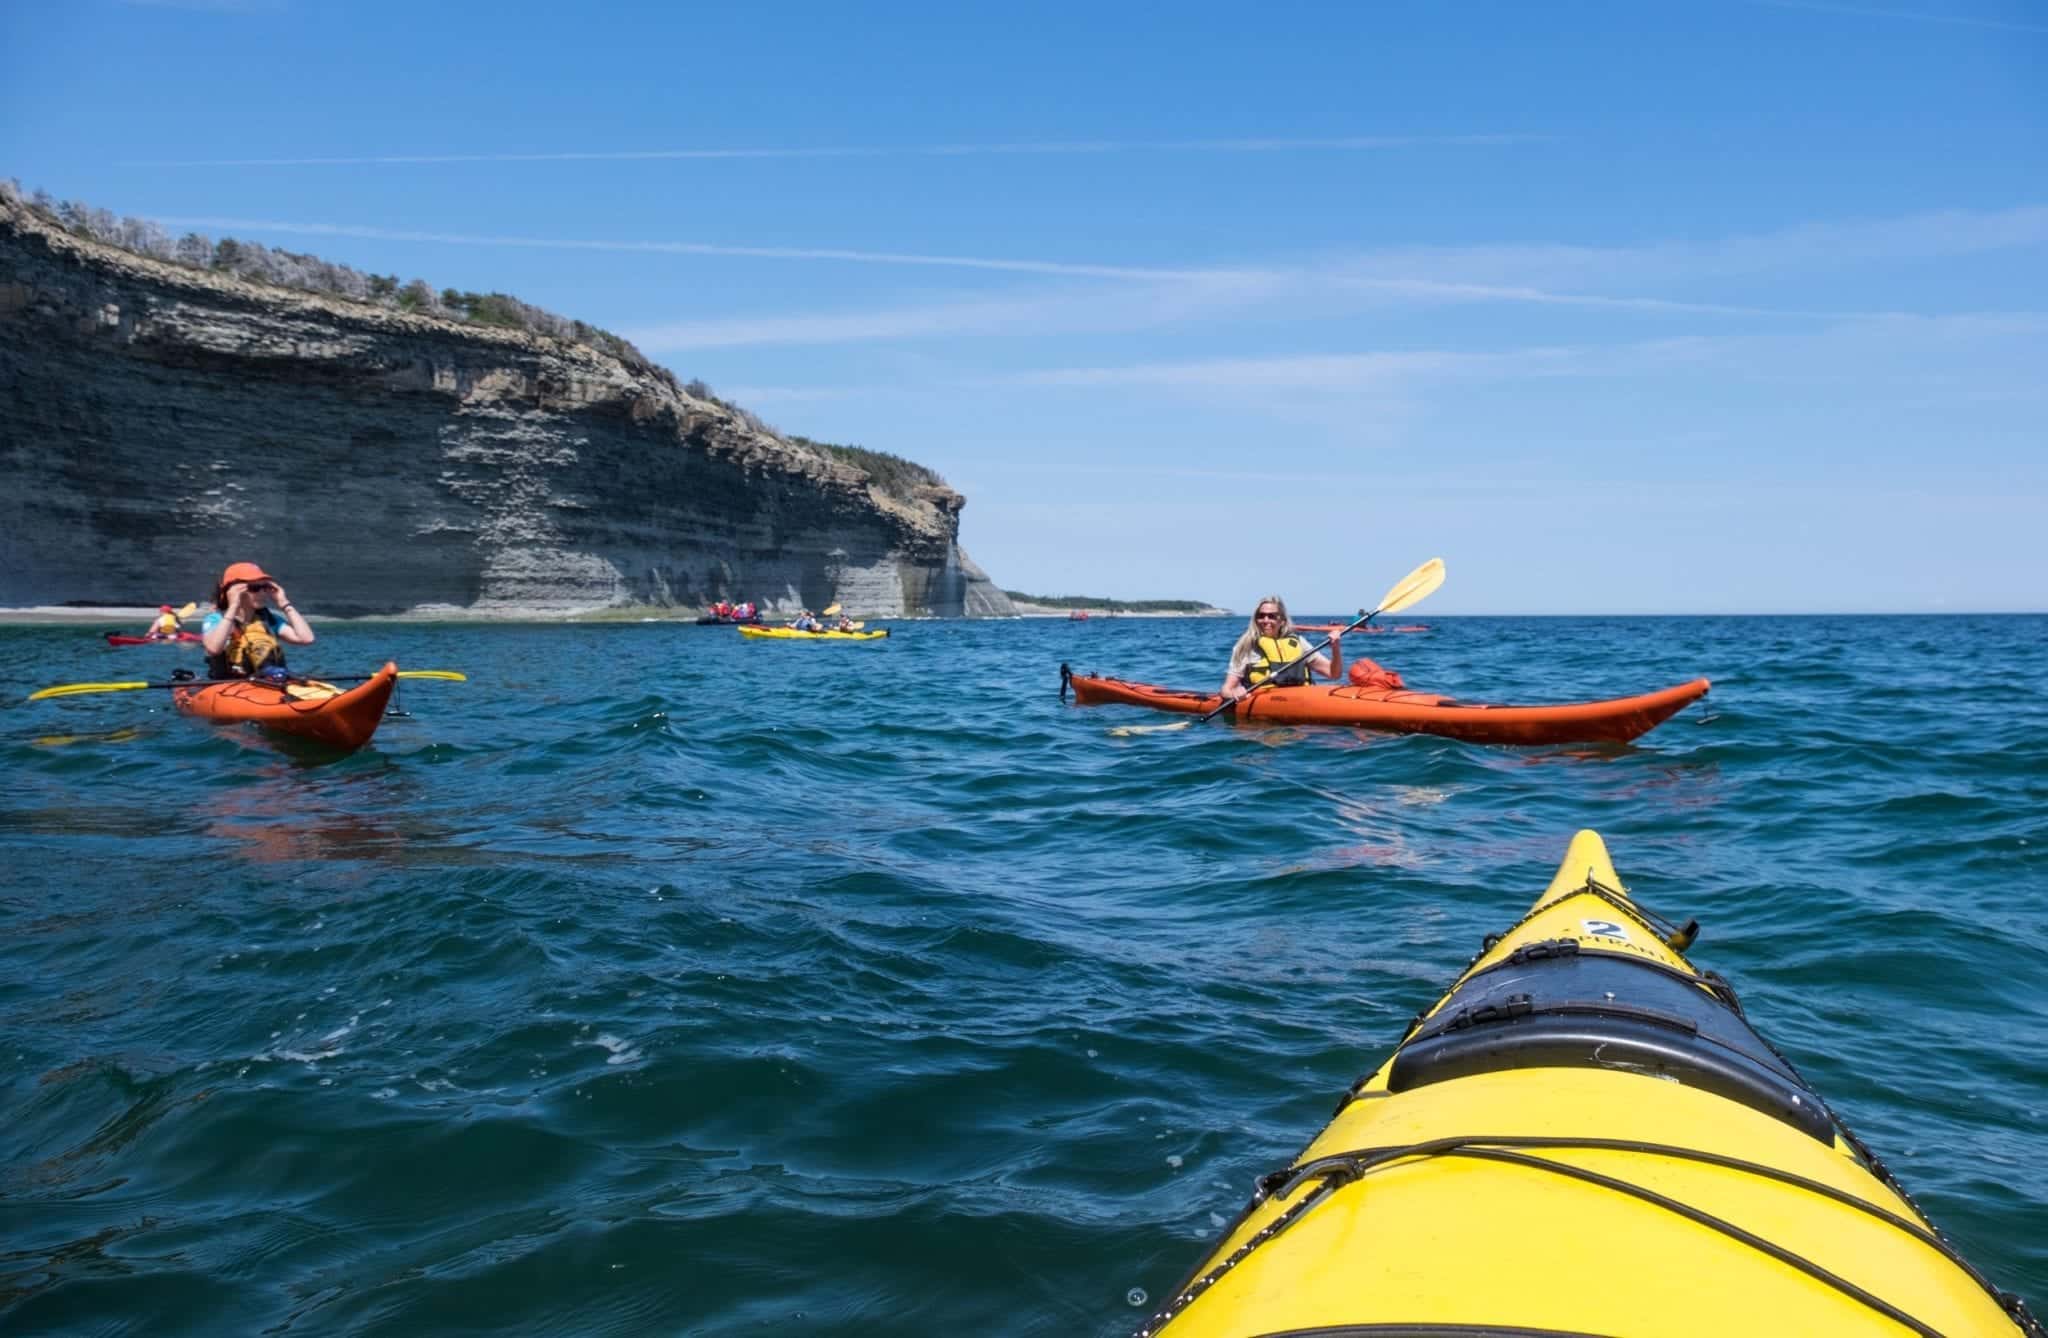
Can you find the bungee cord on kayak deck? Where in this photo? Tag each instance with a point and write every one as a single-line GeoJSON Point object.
{"type": "Point", "coordinates": [1335, 1172]}
{"type": "Point", "coordinates": [1584, 1024]}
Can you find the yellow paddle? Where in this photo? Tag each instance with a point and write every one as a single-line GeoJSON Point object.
{"type": "Point", "coordinates": [79, 689]}
{"type": "Point", "coordinates": [1410, 589]}
{"type": "Point", "coordinates": [828, 610]}
{"type": "Point", "coordinates": [188, 610]}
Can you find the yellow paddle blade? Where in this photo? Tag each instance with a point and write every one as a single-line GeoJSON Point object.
{"type": "Point", "coordinates": [828, 610]}
{"type": "Point", "coordinates": [188, 610]}
{"type": "Point", "coordinates": [1413, 587]}
{"type": "Point", "coordinates": [858, 624]}
{"type": "Point", "coordinates": [448, 674]}
{"type": "Point", "coordinates": [76, 689]}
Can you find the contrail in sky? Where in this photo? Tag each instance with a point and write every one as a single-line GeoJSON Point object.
{"type": "Point", "coordinates": [698, 249]}
{"type": "Point", "coordinates": [1913, 16]}
{"type": "Point", "coordinates": [1103, 146]}
{"type": "Point", "coordinates": [1420, 288]}
{"type": "Point", "coordinates": [1232, 283]}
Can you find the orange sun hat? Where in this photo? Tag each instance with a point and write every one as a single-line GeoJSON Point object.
{"type": "Point", "coordinates": [237, 571]}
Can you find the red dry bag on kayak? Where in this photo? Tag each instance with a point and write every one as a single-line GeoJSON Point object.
{"type": "Point", "coordinates": [1368, 674]}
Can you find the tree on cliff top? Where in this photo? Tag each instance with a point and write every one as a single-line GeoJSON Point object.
{"type": "Point", "coordinates": [891, 473]}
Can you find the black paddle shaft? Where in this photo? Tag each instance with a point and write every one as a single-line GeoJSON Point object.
{"type": "Point", "coordinates": [1308, 655]}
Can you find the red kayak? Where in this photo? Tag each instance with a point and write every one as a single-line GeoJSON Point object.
{"type": "Point", "coordinates": [1403, 712]}
{"type": "Point", "coordinates": [117, 639]}
{"type": "Point", "coordinates": [344, 720]}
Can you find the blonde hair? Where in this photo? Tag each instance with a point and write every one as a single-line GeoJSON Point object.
{"type": "Point", "coordinates": [1247, 643]}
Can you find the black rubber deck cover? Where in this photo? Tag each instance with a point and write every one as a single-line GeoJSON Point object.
{"type": "Point", "coordinates": [1601, 1009]}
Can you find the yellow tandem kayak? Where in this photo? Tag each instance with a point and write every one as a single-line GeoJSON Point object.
{"type": "Point", "coordinates": [791, 634]}
{"type": "Point", "coordinates": [1585, 1137]}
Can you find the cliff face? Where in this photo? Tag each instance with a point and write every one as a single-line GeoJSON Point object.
{"type": "Point", "coordinates": [157, 423]}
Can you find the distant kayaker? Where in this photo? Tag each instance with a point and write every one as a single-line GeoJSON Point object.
{"type": "Point", "coordinates": [845, 624]}
{"type": "Point", "coordinates": [1270, 650]}
{"type": "Point", "coordinates": [251, 622]}
{"type": "Point", "coordinates": [806, 621]}
{"type": "Point", "coordinates": [167, 626]}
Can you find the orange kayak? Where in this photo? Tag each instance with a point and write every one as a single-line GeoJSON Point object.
{"type": "Point", "coordinates": [1404, 712]}
{"type": "Point", "coordinates": [307, 710]}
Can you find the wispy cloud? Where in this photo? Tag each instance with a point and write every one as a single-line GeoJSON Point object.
{"type": "Point", "coordinates": [1052, 267]}
{"type": "Point", "coordinates": [1844, 346]}
{"type": "Point", "coordinates": [1193, 297]}
{"type": "Point", "coordinates": [1911, 16]}
{"type": "Point", "coordinates": [1805, 247]}
{"type": "Point", "coordinates": [1374, 372]}
{"type": "Point", "coordinates": [213, 6]}
{"type": "Point", "coordinates": [1488, 272]}
{"type": "Point", "coordinates": [1155, 470]}
{"type": "Point", "coordinates": [1440, 290]}
{"type": "Point", "coordinates": [1329, 372]}
{"type": "Point", "coordinates": [1053, 148]}
{"type": "Point", "coordinates": [913, 322]}
{"type": "Point", "coordinates": [1225, 283]}
{"type": "Point", "coordinates": [1131, 297]}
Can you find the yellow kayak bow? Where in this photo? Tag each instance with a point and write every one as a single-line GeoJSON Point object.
{"type": "Point", "coordinates": [1585, 1136]}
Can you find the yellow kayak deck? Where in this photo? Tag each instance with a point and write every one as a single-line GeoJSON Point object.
{"type": "Point", "coordinates": [1584, 1136]}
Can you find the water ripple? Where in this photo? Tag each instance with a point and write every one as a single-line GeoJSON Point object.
{"type": "Point", "coordinates": [873, 989]}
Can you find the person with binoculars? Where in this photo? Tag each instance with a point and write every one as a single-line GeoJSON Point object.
{"type": "Point", "coordinates": [251, 623]}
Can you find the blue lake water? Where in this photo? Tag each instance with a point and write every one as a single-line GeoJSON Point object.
{"type": "Point", "coordinates": [657, 981]}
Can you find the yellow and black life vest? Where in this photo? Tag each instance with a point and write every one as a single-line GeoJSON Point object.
{"type": "Point", "coordinates": [1271, 660]}
{"type": "Point", "coordinates": [250, 649]}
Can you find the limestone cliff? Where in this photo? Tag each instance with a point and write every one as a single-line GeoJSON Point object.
{"type": "Point", "coordinates": [158, 422]}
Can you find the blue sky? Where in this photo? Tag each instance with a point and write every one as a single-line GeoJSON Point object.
{"type": "Point", "coordinates": [1617, 305]}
